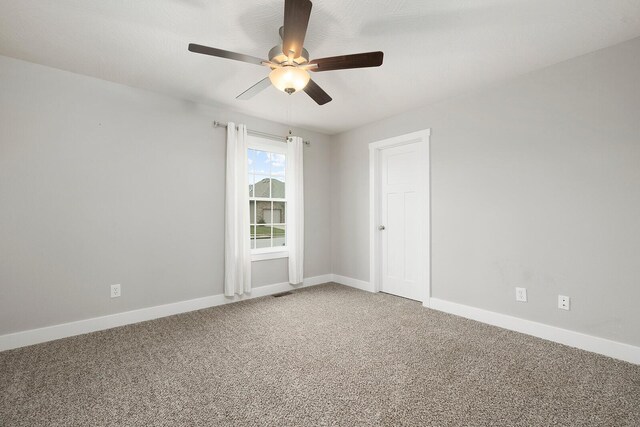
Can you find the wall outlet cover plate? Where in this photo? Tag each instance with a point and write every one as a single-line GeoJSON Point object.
{"type": "Point", "coordinates": [115, 291]}
{"type": "Point", "coordinates": [563, 302]}
{"type": "Point", "coordinates": [521, 294]}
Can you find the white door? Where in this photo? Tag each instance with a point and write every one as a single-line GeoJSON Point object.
{"type": "Point", "coordinates": [402, 221]}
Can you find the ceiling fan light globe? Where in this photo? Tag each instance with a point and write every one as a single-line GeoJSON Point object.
{"type": "Point", "coordinates": [287, 79]}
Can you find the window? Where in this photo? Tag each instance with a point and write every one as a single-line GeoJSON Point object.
{"type": "Point", "coordinates": [267, 198]}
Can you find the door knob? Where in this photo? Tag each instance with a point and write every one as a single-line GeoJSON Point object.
{"type": "Point", "coordinates": [381, 227]}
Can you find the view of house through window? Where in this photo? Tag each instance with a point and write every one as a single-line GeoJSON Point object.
{"type": "Point", "coordinates": [267, 199]}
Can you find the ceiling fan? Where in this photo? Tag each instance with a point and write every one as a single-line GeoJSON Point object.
{"type": "Point", "coordinates": [289, 62]}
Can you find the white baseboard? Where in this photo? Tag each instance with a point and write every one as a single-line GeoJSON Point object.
{"type": "Point", "coordinates": [615, 349]}
{"type": "Point", "coordinates": [64, 330]}
{"type": "Point", "coordinates": [579, 340]}
{"type": "Point", "coordinates": [603, 346]}
{"type": "Point", "coordinates": [354, 283]}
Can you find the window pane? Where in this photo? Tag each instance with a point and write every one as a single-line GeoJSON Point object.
{"type": "Point", "coordinates": [252, 212]}
{"type": "Point", "coordinates": [268, 214]}
{"type": "Point", "coordinates": [261, 186]}
{"type": "Point", "coordinates": [252, 232]}
{"type": "Point", "coordinates": [279, 235]}
{"type": "Point", "coordinates": [263, 236]}
{"type": "Point", "coordinates": [278, 213]}
{"type": "Point", "coordinates": [251, 159]}
{"type": "Point", "coordinates": [259, 162]}
{"type": "Point", "coordinates": [278, 165]}
{"type": "Point", "coordinates": [277, 187]}
{"type": "Point", "coordinates": [263, 212]}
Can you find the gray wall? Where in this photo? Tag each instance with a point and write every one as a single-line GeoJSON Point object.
{"type": "Point", "coordinates": [535, 183]}
{"type": "Point", "coordinates": [102, 183]}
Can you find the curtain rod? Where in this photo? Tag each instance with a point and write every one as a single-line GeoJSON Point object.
{"type": "Point", "coordinates": [217, 124]}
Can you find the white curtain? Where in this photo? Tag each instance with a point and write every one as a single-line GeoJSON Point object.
{"type": "Point", "coordinates": [237, 251]}
{"type": "Point", "coordinates": [295, 200]}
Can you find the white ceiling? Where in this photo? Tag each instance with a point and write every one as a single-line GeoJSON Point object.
{"type": "Point", "coordinates": [433, 48]}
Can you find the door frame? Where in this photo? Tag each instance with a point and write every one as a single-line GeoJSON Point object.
{"type": "Point", "coordinates": [421, 137]}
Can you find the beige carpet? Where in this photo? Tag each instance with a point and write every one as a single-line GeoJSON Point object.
{"type": "Point", "coordinates": [327, 355]}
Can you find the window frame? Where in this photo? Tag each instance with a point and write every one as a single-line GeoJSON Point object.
{"type": "Point", "coordinates": [278, 147]}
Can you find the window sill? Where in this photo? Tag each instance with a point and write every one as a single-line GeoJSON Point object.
{"type": "Point", "coordinates": [269, 255]}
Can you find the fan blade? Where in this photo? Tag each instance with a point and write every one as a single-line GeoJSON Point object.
{"type": "Point", "coordinates": [358, 60]}
{"type": "Point", "coordinates": [255, 89]}
{"type": "Point", "coordinates": [205, 50]}
{"type": "Point", "coordinates": [296, 20]}
{"type": "Point", "coordinates": [316, 93]}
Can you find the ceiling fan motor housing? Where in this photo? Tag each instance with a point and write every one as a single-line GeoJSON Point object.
{"type": "Point", "coordinates": [276, 55]}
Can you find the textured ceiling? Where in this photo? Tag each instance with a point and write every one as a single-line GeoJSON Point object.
{"type": "Point", "coordinates": [433, 48]}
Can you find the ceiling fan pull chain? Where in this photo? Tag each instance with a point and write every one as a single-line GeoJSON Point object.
{"type": "Point", "coordinates": [289, 115]}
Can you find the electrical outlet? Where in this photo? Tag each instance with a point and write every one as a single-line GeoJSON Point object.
{"type": "Point", "coordinates": [521, 294]}
{"type": "Point", "coordinates": [115, 291]}
{"type": "Point", "coordinates": [563, 302]}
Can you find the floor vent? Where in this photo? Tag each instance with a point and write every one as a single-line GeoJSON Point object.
{"type": "Point", "coordinates": [281, 294]}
